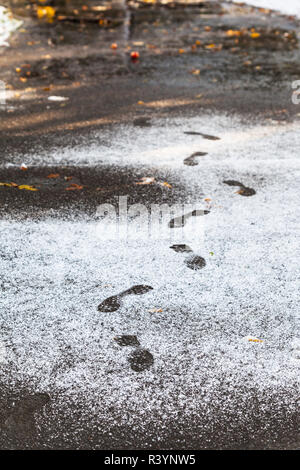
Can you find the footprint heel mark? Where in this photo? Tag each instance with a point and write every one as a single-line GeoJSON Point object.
{"type": "Point", "coordinates": [127, 340]}
{"type": "Point", "coordinates": [113, 303]}
{"type": "Point", "coordinates": [243, 191]}
{"type": "Point", "coordinates": [179, 222]}
{"type": "Point", "coordinates": [140, 360]}
{"type": "Point", "coordinates": [205, 136]}
{"type": "Point", "coordinates": [195, 262]}
{"type": "Point", "coordinates": [181, 248]}
{"type": "Point", "coordinates": [191, 161]}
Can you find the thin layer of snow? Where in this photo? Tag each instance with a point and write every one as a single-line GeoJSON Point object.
{"type": "Point", "coordinates": [289, 7]}
{"type": "Point", "coordinates": [8, 24]}
{"type": "Point", "coordinates": [126, 145]}
{"type": "Point", "coordinates": [55, 272]}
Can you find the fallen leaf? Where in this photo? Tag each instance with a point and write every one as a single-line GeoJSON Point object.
{"type": "Point", "coordinates": [27, 187]}
{"type": "Point", "coordinates": [252, 339]}
{"type": "Point", "coordinates": [23, 167]}
{"type": "Point", "coordinates": [166, 184]}
{"type": "Point", "coordinates": [146, 180]}
{"type": "Point", "coordinates": [53, 175]}
{"type": "Point", "coordinates": [196, 72]}
{"type": "Point", "coordinates": [45, 12]}
{"type": "Point", "coordinates": [155, 310]}
{"type": "Point", "coordinates": [181, 51]}
{"type": "Point", "coordinates": [114, 45]}
{"type": "Point", "coordinates": [74, 187]}
{"type": "Point", "coordinates": [232, 32]}
{"type": "Point", "coordinates": [255, 35]}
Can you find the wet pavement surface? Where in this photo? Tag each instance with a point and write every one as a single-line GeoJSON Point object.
{"type": "Point", "coordinates": [137, 341]}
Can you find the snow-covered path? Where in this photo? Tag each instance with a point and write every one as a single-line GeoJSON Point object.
{"type": "Point", "coordinates": [194, 323]}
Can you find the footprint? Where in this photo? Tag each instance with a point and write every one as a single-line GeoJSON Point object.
{"type": "Point", "coordinates": [243, 191]}
{"type": "Point", "coordinates": [127, 340]}
{"type": "Point", "coordinates": [178, 222]}
{"type": "Point", "coordinates": [233, 183]}
{"type": "Point", "coordinates": [181, 248]}
{"type": "Point", "coordinates": [142, 122]}
{"type": "Point", "coordinates": [205, 136]}
{"type": "Point", "coordinates": [137, 290]}
{"type": "Point", "coordinates": [190, 161]}
{"type": "Point", "coordinates": [21, 421]}
{"type": "Point", "coordinates": [194, 262]}
{"type": "Point", "coordinates": [140, 360]}
{"type": "Point", "coordinates": [112, 304]}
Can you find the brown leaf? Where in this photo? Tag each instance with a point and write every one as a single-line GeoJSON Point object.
{"type": "Point", "coordinates": [74, 187]}
{"type": "Point", "coordinates": [53, 175]}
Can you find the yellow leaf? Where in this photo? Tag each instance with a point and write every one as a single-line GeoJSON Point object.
{"type": "Point", "coordinates": [155, 310]}
{"type": "Point", "coordinates": [232, 32]}
{"type": "Point", "coordinates": [45, 12]}
{"type": "Point", "coordinates": [255, 35]}
{"type": "Point", "coordinates": [26, 186]}
{"type": "Point", "coordinates": [252, 339]}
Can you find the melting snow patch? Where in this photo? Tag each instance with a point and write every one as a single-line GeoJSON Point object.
{"type": "Point", "coordinates": [7, 25]}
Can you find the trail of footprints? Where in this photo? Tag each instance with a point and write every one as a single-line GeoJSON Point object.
{"type": "Point", "coordinates": [141, 359]}
{"type": "Point", "coordinates": [20, 420]}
